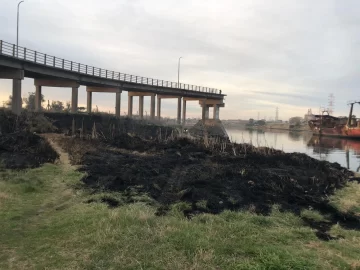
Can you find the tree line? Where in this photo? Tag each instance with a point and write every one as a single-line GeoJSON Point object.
{"type": "Point", "coordinates": [55, 105]}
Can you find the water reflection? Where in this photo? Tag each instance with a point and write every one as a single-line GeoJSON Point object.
{"type": "Point", "coordinates": [295, 136]}
{"type": "Point", "coordinates": [345, 152]}
{"type": "Point", "coordinates": [327, 145]}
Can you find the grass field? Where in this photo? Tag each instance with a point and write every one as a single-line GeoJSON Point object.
{"type": "Point", "coordinates": [46, 222]}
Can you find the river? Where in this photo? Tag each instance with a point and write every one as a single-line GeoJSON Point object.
{"type": "Point", "coordinates": [343, 151]}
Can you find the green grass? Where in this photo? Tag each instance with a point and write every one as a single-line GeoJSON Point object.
{"type": "Point", "coordinates": [347, 200]}
{"type": "Point", "coordinates": [46, 224]}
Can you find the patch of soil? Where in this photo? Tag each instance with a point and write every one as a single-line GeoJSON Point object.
{"type": "Point", "coordinates": [24, 149]}
{"type": "Point", "coordinates": [20, 147]}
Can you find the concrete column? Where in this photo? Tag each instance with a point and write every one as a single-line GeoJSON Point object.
{"type": "Point", "coordinates": [118, 104]}
{"type": "Point", "coordinates": [130, 106]}
{"type": "Point", "coordinates": [16, 103]}
{"type": "Point", "coordinates": [89, 102]}
{"type": "Point", "coordinates": [152, 107]}
{"type": "Point", "coordinates": [184, 112]}
{"type": "Point", "coordinates": [203, 116]}
{"type": "Point", "coordinates": [207, 111]}
{"type": "Point", "coordinates": [38, 107]}
{"type": "Point", "coordinates": [74, 99]}
{"type": "Point", "coordinates": [216, 111]}
{"type": "Point", "coordinates": [141, 107]}
{"type": "Point", "coordinates": [179, 111]}
{"type": "Point", "coordinates": [159, 108]}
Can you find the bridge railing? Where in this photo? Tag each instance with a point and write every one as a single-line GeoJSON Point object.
{"type": "Point", "coordinates": [22, 53]}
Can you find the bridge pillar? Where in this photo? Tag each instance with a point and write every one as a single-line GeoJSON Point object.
{"type": "Point", "coordinates": [38, 107]}
{"type": "Point", "coordinates": [104, 89]}
{"type": "Point", "coordinates": [16, 103]}
{"type": "Point", "coordinates": [89, 102]}
{"type": "Point", "coordinates": [17, 75]}
{"type": "Point", "coordinates": [74, 99]}
{"type": "Point", "coordinates": [141, 107]}
{"type": "Point", "coordinates": [159, 108]}
{"type": "Point", "coordinates": [152, 107]}
{"type": "Point", "coordinates": [62, 83]}
{"type": "Point", "coordinates": [184, 112]}
{"type": "Point", "coordinates": [118, 103]}
{"type": "Point", "coordinates": [130, 105]}
{"type": "Point", "coordinates": [178, 107]}
{"type": "Point", "coordinates": [179, 111]}
{"type": "Point", "coordinates": [207, 109]}
{"type": "Point", "coordinates": [216, 112]}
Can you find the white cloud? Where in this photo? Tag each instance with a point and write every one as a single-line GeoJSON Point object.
{"type": "Point", "coordinates": [286, 53]}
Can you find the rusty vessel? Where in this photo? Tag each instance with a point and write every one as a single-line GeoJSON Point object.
{"type": "Point", "coordinates": [341, 127]}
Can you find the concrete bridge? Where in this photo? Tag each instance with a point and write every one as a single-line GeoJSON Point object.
{"type": "Point", "coordinates": [16, 63]}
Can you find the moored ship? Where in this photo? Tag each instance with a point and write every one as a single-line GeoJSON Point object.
{"type": "Point", "coordinates": [327, 125]}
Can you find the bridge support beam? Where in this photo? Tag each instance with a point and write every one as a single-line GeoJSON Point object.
{"type": "Point", "coordinates": [74, 99]}
{"type": "Point", "coordinates": [216, 112]}
{"type": "Point", "coordinates": [179, 111]}
{"type": "Point", "coordinates": [184, 112]}
{"type": "Point", "coordinates": [89, 102]}
{"type": "Point", "coordinates": [17, 75]}
{"type": "Point", "coordinates": [207, 114]}
{"type": "Point", "coordinates": [141, 96]}
{"type": "Point", "coordinates": [16, 103]}
{"type": "Point", "coordinates": [205, 111]}
{"type": "Point", "coordinates": [61, 83]}
{"type": "Point", "coordinates": [117, 91]}
{"type": "Point", "coordinates": [178, 106]}
{"type": "Point", "coordinates": [207, 103]}
{"type": "Point", "coordinates": [130, 105]}
{"type": "Point", "coordinates": [152, 107]}
{"type": "Point", "coordinates": [118, 104]}
{"type": "Point", "coordinates": [159, 108]}
{"type": "Point", "coordinates": [38, 107]}
{"type": "Point", "coordinates": [10, 73]}
{"type": "Point", "coordinates": [141, 107]}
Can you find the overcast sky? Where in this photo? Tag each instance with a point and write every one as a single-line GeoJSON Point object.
{"type": "Point", "coordinates": [263, 54]}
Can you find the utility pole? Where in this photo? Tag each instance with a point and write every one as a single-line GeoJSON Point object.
{"type": "Point", "coordinates": [179, 72]}
{"type": "Point", "coordinates": [17, 30]}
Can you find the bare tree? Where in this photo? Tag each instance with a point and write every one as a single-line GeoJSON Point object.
{"type": "Point", "coordinates": [30, 101]}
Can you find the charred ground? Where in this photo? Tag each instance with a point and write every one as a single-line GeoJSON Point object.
{"type": "Point", "coordinates": [211, 178]}
{"type": "Point", "coordinates": [138, 159]}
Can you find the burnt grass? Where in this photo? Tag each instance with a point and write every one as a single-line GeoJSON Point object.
{"type": "Point", "coordinates": [20, 146]}
{"type": "Point", "coordinates": [139, 159]}
{"type": "Point", "coordinates": [211, 179]}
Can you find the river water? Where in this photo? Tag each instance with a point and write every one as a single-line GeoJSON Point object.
{"type": "Point", "coordinates": [345, 152]}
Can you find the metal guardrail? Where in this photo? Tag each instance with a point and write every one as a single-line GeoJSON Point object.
{"type": "Point", "coordinates": [22, 53]}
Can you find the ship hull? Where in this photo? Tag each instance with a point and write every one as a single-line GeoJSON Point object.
{"type": "Point", "coordinates": [344, 132]}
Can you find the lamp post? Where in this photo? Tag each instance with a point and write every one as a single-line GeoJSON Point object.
{"type": "Point", "coordinates": [179, 72]}
{"type": "Point", "coordinates": [17, 30]}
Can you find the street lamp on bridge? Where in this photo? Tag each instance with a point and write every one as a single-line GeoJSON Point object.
{"type": "Point", "coordinates": [17, 30]}
{"type": "Point", "coordinates": [179, 72]}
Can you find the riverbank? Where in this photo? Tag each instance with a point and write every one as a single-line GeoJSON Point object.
{"type": "Point", "coordinates": [49, 219]}
{"type": "Point", "coordinates": [120, 199]}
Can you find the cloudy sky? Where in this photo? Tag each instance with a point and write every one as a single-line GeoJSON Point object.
{"type": "Point", "coordinates": [264, 54]}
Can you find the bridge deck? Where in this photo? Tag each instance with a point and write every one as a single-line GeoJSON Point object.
{"type": "Point", "coordinates": [40, 65]}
